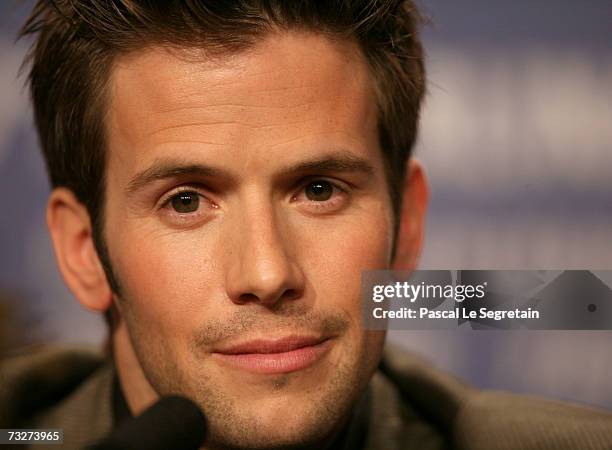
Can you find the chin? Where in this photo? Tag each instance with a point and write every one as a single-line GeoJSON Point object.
{"type": "Point", "coordinates": [285, 427]}
{"type": "Point", "coordinates": [282, 411]}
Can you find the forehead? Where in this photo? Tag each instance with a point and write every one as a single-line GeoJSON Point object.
{"type": "Point", "coordinates": [289, 87]}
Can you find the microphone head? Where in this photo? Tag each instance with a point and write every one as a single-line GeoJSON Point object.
{"type": "Point", "coordinates": [173, 422]}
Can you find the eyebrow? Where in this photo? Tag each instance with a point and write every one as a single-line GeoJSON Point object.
{"type": "Point", "coordinates": [162, 169]}
{"type": "Point", "coordinates": [337, 162]}
{"type": "Point", "coordinates": [166, 169]}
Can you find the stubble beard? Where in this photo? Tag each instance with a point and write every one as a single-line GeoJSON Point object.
{"type": "Point", "coordinates": [232, 424]}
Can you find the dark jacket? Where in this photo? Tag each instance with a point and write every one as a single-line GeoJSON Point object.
{"type": "Point", "coordinates": [411, 406]}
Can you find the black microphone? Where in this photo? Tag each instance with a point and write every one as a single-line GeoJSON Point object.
{"type": "Point", "coordinates": [173, 423]}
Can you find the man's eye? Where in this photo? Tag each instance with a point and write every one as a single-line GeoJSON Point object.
{"type": "Point", "coordinates": [185, 202]}
{"type": "Point", "coordinates": [319, 190]}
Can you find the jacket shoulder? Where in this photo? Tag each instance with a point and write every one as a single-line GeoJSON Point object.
{"type": "Point", "coordinates": [473, 419]}
{"type": "Point", "coordinates": [497, 421]}
{"type": "Point", "coordinates": [34, 382]}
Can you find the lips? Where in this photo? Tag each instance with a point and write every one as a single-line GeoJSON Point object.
{"type": "Point", "coordinates": [274, 356]}
{"type": "Point", "coordinates": [261, 346]}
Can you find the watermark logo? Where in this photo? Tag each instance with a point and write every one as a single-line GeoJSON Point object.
{"type": "Point", "coordinates": [487, 299]}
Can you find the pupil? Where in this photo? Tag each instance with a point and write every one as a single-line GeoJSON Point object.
{"type": "Point", "coordinates": [319, 191]}
{"type": "Point", "coordinates": [186, 202]}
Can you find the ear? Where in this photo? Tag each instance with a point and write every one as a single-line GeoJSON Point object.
{"type": "Point", "coordinates": [71, 233]}
{"type": "Point", "coordinates": [412, 218]}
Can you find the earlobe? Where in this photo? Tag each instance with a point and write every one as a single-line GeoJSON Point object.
{"type": "Point", "coordinates": [412, 218]}
{"type": "Point", "coordinates": [71, 233]}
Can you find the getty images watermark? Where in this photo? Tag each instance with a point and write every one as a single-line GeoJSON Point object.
{"type": "Point", "coordinates": [487, 299]}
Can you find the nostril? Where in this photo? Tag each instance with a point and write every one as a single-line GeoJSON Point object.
{"type": "Point", "coordinates": [291, 294]}
{"type": "Point", "coordinates": [286, 295]}
{"type": "Point", "coordinates": [248, 298]}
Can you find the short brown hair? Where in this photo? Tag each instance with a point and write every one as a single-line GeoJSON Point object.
{"type": "Point", "coordinates": [76, 42]}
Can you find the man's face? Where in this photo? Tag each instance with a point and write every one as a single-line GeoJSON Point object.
{"type": "Point", "coordinates": [245, 196]}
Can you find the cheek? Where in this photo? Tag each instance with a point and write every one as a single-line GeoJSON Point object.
{"type": "Point", "coordinates": [338, 254]}
{"type": "Point", "coordinates": [336, 275]}
{"type": "Point", "coordinates": [165, 280]}
{"type": "Point", "coordinates": [347, 246]}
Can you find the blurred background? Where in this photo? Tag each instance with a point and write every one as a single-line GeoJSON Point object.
{"type": "Point", "coordinates": [516, 139]}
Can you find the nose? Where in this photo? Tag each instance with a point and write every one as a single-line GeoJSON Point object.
{"type": "Point", "coordinates": [262, 267]}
